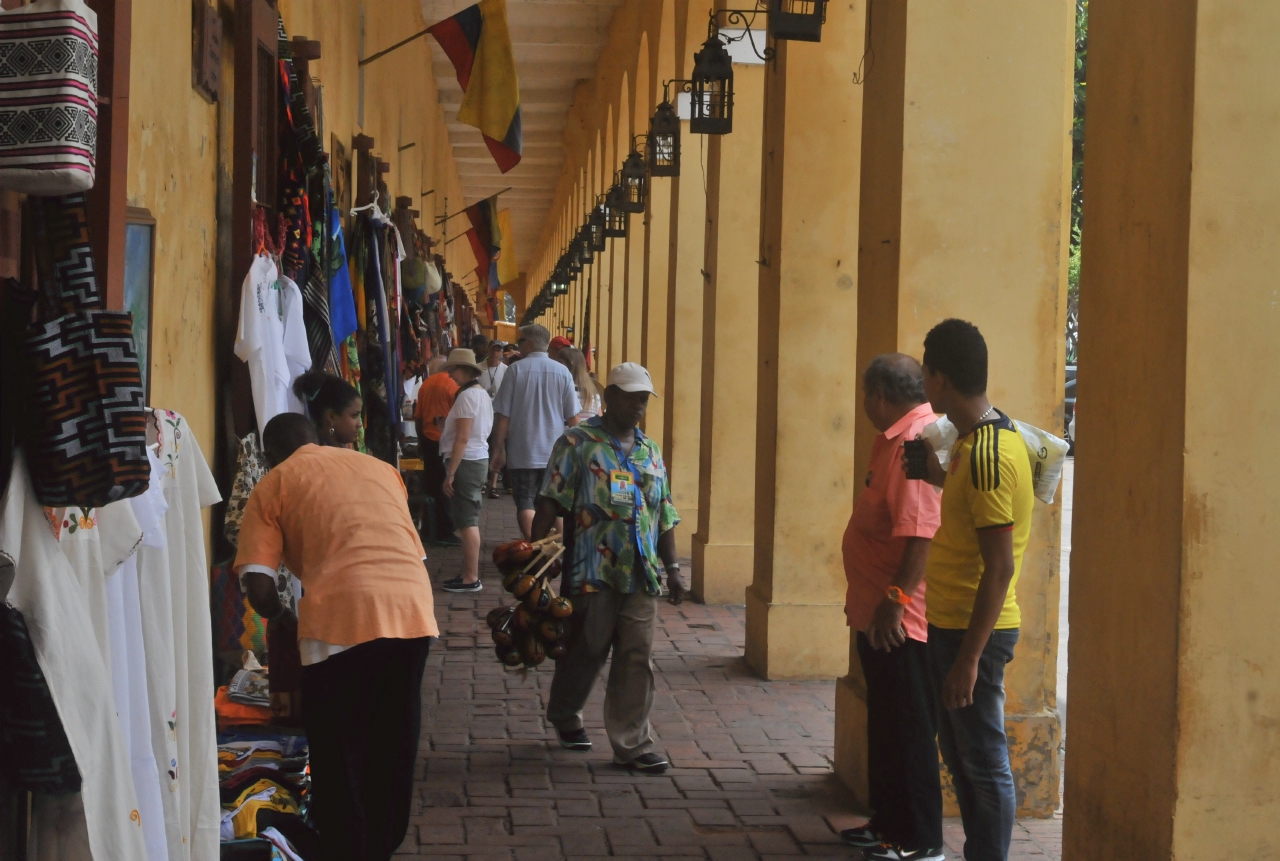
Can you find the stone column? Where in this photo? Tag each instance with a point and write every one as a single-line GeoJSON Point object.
{"type": "Point", "coordinates": [654, 331]}
{"type": "Point", "coordinates": [722, 546]}
{"type": "Point", "coordinates": [807, 336]}
{"type": "Point", "coordinates": [682, 390]}
{"type": "Point", "coordinates": [1174, 650]}
{"type": "Point", "coordinates": [965, 205]}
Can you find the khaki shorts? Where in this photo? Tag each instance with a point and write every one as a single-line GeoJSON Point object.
{"type": "Point", "coordinates": [468, 489]}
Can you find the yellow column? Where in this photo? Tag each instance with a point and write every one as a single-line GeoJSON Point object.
{"type": "Point", "coordinates": [805, 397]}
{"type": "Point", "coordinates": [722, 546]}
{"type": "Point", "coordinates": [1174, 653]}
{"type": "Point", "coordinates": [653, 344]}
{"type": "Point", "coordinates": [965, 208]}
{"type": "Point", "coordinates": [682, 391]}
{"type": "Point", "coordinates": [633, 314]}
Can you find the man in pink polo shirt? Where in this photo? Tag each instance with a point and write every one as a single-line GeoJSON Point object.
{"type": "Point", "coordinates": [885, 546]}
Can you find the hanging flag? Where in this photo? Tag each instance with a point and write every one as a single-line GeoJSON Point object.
{"type": "Point", "coordinates": [486, 239]}
{"type": "Point", "coordinates": [507, 270]}
{"type": "Point", "coordinates": [478, 43]}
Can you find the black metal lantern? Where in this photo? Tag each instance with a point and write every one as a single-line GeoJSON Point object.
{"type": "Point", "coordinates": [615, 215]}
{"type": "Point", "coordinates": [559, 282]}
{"type": "Point", "coordinates": [635, 182]}
{"type": "Point", "coordinates": [582, 245]}
{"type": "Point", "coordinates": [596, 224]}
{"type": "Point", "coordinates": [797, 20]}
{"type": "Point", "coordinates": [712, 89]}
{"type": "Point", "coordinates": [663, 148]}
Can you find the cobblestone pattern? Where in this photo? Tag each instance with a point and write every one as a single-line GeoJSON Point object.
{"type": "Point", "coordinates": [752, 776]}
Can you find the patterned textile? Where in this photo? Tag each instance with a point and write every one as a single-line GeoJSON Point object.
{"type": "Point", "coordinates": [86, 430]}
{"type": "Point", "coordinates": [236, 626]}
{"type": "Point", "coordinates": [607, 534]}
{"type": "Point", "coordinates": [251, 467]}
{"type": "Point", "coordinates": [315, 314]}
{"type": "Point", "coordinates": [48, 97]}
{"type": "Point", "coordinates": [63, 255]}
{"type": "Point", "coordinates": [34, 751]}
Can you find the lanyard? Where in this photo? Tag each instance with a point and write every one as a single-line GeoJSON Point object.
{"type": "Point", "coordinates": [625, 460]}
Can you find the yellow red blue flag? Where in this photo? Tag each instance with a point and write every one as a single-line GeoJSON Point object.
{"type": "Point", "coordinates": [478, 43]}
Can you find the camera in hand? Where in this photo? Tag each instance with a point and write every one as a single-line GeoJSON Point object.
{"type": "Point", "coordinates": [916, 455]}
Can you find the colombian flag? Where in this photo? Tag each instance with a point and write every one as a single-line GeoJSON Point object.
{"type": "Point", "coordinates": [477, 42]}
{"type": "Point", "coordinates": [485, 237]}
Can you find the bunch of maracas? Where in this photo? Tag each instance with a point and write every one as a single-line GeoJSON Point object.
{"type": "Point", "coordinates": [537, 627]}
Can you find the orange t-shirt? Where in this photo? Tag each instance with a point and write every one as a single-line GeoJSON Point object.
{"type": "Point", "coordinates": [890, 509]}
{"type": "Point", "coordinates": [434, 401]}
{"type": "Point", "coordinates": [340, 522]}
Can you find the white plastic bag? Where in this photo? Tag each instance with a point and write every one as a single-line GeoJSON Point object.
{"type": "Point", "coordinates": [1047, 452]}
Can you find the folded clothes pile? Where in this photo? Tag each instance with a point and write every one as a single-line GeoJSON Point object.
{"type": "Point", "coordinates": [263, 784]}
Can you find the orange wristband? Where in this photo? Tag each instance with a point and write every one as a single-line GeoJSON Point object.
{"type": "Point", "coordinates": [897, 596]}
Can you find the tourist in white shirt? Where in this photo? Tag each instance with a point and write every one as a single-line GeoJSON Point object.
{"type": "Point", "coordinates": [589, 390]}
{"type": "Point", "coordinates": [494, 369]}
{"type": "Point", "coordinates": [464, 445]}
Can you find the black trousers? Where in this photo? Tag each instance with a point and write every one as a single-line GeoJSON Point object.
{"type": "Point", "coordinates": [362, 709]}
{"type": "Point", "coordinates": [902, 753]}
{"type": "Point", "coordinates": [433, 469]}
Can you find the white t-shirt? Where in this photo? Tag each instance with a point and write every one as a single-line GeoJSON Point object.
{"type": "Point", "coordinates": [590, 405]}
{"type": "Point", "coordinates": [272, 340]}
{"type": "Point", "coordinates": [471, 403]}
{"type": "Point", "coordinates": [491, 378]}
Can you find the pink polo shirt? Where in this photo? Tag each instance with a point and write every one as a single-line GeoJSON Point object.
{"type": "Point", "coordinates": [889, 510]}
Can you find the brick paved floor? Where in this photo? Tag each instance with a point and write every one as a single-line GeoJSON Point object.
{"type": "Point", "coordinates": [752, 775]}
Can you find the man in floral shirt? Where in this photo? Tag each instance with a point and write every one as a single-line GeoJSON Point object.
{"type": "Point", "coordinates": [608, 481]}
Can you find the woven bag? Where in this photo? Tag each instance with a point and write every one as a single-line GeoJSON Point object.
{"type": "Point", "coordinates": [85, 432]}
{"type": "Point", "coordinates": [48, 97]}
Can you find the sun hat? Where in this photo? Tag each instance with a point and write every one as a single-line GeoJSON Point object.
{"type": "Point", "coordinates": [631, 377]}
{"type": "Point", "coordinates": [462, 357]}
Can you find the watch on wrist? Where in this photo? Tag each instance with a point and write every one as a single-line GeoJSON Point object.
{"type": "Point", "coordinates": [674, 566]}
{"type": "Point", "coordinates": [897, 596]}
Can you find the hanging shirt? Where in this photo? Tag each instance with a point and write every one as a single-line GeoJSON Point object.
{"type": "Point", "coordinates": [272, 339]}
{"type": "Point", "coordinates": [342, 301]}
{"type": "Point", "coordinates": [178, 636]}
{"type": "Point", "coordinates": [620, 503]}
{"type": "Point", "coordinates": [340, 521]}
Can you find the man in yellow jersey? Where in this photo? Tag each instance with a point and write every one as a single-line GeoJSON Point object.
{"type": "Point", "coordinates": [971, 575]}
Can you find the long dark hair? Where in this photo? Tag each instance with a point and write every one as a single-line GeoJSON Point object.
{"type": "Point", "coordinates": [321, 391]}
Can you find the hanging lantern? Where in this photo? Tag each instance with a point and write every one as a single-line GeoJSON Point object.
{"type": "Point", "coordinates": [712, 89]}
{"type": "Point", "coordinates": [797, 20]}
{"type": "Point", "coordinates": [635, 183]}
{"type": "Point", "coordinates": [615, 215]}
{"type": "Point", "coordinates": [572, 264]}
{"type": "Point", "coordinates": [663, 152]}
{"type": "Point", "coordinates": [596, 224]}
{"type": "Point", "coordinates": [582, 244]}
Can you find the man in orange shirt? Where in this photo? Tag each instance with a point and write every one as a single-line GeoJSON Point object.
{"type": "Point", "coordinates": [340, 521]}
{"type": "Point", "coordinates": [885, 547]}
{"type": "Point", "coordinates": [435, 398]}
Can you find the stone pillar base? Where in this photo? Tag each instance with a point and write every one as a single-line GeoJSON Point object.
{"type": "Point", "coordinates": [1034, 740]}
{"type": "Point", "coordinates": [721, 572]}
{"type": "Point", "coordinates": [796, 641]}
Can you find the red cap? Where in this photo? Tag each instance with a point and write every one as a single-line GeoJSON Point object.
{"type": "Point", "coordinates": [559, 342]}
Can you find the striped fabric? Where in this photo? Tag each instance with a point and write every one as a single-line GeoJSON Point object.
{"type": "Point", "coordinates": [48, 97]}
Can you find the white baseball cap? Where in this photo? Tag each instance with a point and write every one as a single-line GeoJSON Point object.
{"type": "Point", "coordinates": [631, 377]}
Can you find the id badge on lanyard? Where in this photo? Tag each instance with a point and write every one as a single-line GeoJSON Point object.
{"type": "Point", "coordinates": [622, 488]}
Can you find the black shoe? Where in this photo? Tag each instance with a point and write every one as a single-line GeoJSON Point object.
{"type": "Point", "coordinates": [574, 739]}
{"type": "Point", "coordinates": [456, 585]}
{"type": "Point", "coordinates": [884, 852]}
{"type": "Point", "coordinates": [862, 838]}
{"type": "Point", "coordinates": [493, 493]}
{"type": "Point", "coordinates": [648, 763]}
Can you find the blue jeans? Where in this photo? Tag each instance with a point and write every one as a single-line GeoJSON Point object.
{"type": "Point", "coordinates": [973, 743]}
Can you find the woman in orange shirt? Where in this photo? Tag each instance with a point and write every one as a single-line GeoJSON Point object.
{"type": "Point", "coordinates": [340, 521]}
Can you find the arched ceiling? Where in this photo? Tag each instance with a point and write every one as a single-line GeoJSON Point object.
{"type": "Point", "coordinates": [556, 44]}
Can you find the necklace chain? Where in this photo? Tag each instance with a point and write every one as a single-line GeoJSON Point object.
{"type": "Point", "coordinates": [983, 417]}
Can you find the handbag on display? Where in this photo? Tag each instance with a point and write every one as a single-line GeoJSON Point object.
{"type": "Point", "coordinates": [85, 433]}
{"type": "Point", "coordinates": [48, 97]}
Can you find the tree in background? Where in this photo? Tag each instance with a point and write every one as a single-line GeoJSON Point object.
{"type": "Point", "coordinates": [1077, 178]}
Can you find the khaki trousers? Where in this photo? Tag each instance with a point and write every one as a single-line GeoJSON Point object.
{"type": "Point", "coordinates": [624, 623]}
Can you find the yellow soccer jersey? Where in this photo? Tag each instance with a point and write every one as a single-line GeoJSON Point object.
{"type": "Point", "coordinates": [988, 486]}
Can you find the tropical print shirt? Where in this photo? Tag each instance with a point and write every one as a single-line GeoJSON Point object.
{"type": "Point", "coordinates": [619, 505]}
